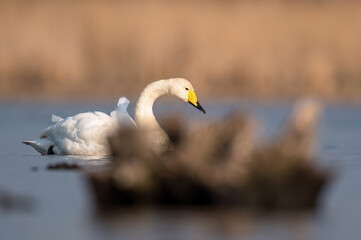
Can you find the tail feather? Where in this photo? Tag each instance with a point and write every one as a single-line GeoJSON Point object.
{"type": "Point", "coordinates": [42, 145]}
{"type": "Point", "coordinates": [28, 142]}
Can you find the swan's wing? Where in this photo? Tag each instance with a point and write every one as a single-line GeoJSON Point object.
{"type": "Point", "coordinates": [56, 119]}
{"type": "Point", "coordinates": [84, 133]}
{"type": "Point", "coordinates": [121, 114]}
{"type": "Point", "coordinates": [123, 103]}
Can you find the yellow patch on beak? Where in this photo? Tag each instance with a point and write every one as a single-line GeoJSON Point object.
{"type": "Point", "coordinates": [192, 98]}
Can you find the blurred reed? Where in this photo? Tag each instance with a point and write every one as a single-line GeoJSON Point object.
{"type": "Point", "coordinates": [217, 165]}
{"type": "Point", "coordinates": [281, 49]}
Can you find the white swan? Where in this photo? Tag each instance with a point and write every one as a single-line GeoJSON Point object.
{"type": "Point", "coordinates": [86, 133]}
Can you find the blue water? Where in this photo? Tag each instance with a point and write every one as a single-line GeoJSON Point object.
{"type": "Point", "coordinates": [62, 206]}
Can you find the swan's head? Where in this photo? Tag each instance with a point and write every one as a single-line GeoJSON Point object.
{"type": "Point", "coordinates": [184, 90]}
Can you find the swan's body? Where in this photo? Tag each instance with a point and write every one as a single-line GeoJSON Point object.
{"type": "Point", "coordinates": [83, 133]}
{"type": "Point", "coordinates": [86, 133]}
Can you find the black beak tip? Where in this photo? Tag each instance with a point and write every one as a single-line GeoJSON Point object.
{"type": "Point", "coordinates": [199, 107]}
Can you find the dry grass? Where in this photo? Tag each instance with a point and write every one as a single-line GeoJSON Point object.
{"type": "Point", "coordinates": [234, 48]}
{"type": "Point", "coordinates": [217, 165]}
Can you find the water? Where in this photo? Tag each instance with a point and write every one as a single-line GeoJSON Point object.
{"type": "Point", "coordinates": [60, 205]}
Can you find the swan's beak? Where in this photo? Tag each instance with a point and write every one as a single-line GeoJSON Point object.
{"type": "Point", "coordinates": [198, 106]}
{"type": "Point", "coordinates": [192, 99]}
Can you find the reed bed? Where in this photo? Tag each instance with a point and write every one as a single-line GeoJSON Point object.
{"type": "Point", "coordinates": [271, 49]}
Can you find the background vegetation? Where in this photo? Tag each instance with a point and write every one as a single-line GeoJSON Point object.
{"type": "Point", "coordinates": [235, 49]}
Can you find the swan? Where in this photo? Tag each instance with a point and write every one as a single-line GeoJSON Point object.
{"type": "Point", "coordinates": [86, 133]}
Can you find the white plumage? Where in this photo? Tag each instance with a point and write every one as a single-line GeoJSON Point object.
{"type": "Point", "coordinates": [86, 133]}
{"type": "Point", "coordinates": [83, 133]}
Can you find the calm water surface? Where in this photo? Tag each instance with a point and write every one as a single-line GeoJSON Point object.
{"type": "Point", "coordinates": [60, 205]}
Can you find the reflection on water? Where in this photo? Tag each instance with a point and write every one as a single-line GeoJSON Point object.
{"type": "Point", "coordinates": [205, 224]}
{"type": "Point", "coordinates": [88, 161]}
{"type": "Point", "coordinates": [64, 208]}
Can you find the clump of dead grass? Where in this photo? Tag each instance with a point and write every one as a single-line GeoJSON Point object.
{"type": "Point", "coordinates": [217, 165]}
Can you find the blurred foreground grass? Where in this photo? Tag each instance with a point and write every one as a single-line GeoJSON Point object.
{"type": "Point", "coordinates": [280, 49]}
{"type": "Point", "coordinates": [217, 165]}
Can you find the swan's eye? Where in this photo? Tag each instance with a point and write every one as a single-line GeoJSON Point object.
{"type": "Point", "coordinates": [186, 88]}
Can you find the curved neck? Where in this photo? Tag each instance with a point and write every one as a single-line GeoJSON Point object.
{"type": "Point", "coordinates": [144, 116]}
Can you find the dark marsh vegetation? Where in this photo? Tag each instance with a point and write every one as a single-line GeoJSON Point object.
{"type": "Point", "coordinates": [217, 165]}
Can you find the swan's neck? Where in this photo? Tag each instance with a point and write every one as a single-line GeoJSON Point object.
{"type": "Point", "coordinates": [145, 119]}
{"type": "Point", "coordinates": [144, 116]}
